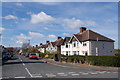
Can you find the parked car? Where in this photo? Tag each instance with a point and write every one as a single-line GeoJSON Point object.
{"type": "Point", "coordinates": [33, 56]}
{"type": "Point", "coordinates": [6, 56]}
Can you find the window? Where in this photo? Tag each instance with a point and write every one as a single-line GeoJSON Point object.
{"type": "Point", "coordinates": [66, 45]}
{"type": "Point", "coordinates": [74, 45]}
{"type": "Point", "coordinates": [84, 44]}
{"type": "Point", "coordinates": [74, 52]}
{"type": "Point", "coordinates": [78, 52]}
{"type": "Point", "coordinates": [77, 44]}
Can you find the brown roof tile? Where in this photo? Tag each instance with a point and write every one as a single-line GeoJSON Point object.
{"type": "Point", "coordinates": [66, 39]}
{"type": "Point", "coordinates": [58, 42]}
{"type": "Point", "coordinates": [91, 35]}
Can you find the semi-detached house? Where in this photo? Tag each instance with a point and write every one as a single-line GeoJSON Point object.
{"type": "Point", "coordinates": [87, 42]}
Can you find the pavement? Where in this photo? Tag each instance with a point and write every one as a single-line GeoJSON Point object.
{"type": "Point", "coordinates": [22, 67]}
{"type": "Point", "coordinates": [81, 66]}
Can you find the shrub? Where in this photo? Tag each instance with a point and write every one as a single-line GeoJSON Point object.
{"type": "Point", "coordinates": [103, 60]}
{"type": "Point", "coordinates": [41, 55]}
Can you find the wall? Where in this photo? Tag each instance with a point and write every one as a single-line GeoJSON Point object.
{"type": "Point", "coordinates": [91, 48]}
{"type": "Point", "coordinates": [101, 48]}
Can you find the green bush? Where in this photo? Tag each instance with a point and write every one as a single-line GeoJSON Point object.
{"type": "Point", "coordinates": [41, 55]}
{"type": "Point", "coordinates": [103, 60]}
{"type": "Point", "coordinates": [113, 61]}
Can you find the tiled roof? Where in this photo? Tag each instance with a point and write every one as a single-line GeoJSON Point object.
{"type": "Point", "coordinates": [58, 42]}
{"type": "Point", "coordinates": [43, 46]}
{"type": "Point", "coordinates": [66, 39]}
{"type": "Point", "coordinates": [53, 44]}
{"type": "Point", "coordinates": [91, 35]}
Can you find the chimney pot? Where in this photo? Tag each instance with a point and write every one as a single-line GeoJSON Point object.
{"type": "Point", "coordinates": [40, 44]}
{"type": "Point", "coordinates": [82, 29]}
{"type": "Point", "coordinates": [47, 41]}
{"type": "Point", "coordinates": [59, 37]}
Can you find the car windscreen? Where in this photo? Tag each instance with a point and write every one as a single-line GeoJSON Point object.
{"type": "Point", "coordinates": [32, 54]}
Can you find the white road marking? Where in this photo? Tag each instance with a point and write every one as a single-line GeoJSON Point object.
{"type": "Point", "coordinates": [94, 73]}
{"type": "Point", "coordinates": [108, 72]}
{"type": "Point", "coordinates": [37, 76]}
{"type": "Point", "coordinates": [20, 77]}
{"type": "Point", "coordinates": [50, 75]}
{"type": "Point", "coordinates": [23, 64]}
{"type": "Point", "coordinates": [60, 73]}
{"type": "Point", "coordinates": [74, 74]}
{"type": "Point", "coordinates": [71, 72]}
{"type": "Point", "coordinates": [84, 73]}
{"type": "Point", "coordinates": [101, 72]}
{"type": "Point", "coordinates": [28, 72]}
{"type": "Point", "coordinates": [21, 60]}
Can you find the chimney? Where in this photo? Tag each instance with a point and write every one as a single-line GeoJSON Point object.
{"type": "Point", "coordinates": [82, 29]}
{"type": "Point", "coordinates": [36, 46]}
{"type": "Point", "coordinates": [47, 41]}
{"type": "Point", "coordinates": [59, 38]}
{"type": "Point", "coordinates": [40, 44]}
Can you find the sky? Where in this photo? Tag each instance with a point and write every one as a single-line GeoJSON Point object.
{"type": "Point", "coordinates": [42, 21]}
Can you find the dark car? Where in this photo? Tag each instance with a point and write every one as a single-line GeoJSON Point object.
{"type": "Point", "coordinates": [6, 56]}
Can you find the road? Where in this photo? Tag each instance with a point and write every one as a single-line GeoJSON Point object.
{"type": "Point", "coordinates": [22, 67]}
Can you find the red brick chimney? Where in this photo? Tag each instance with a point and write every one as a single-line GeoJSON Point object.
{"type": "Point", "coordinates": [82, 29]}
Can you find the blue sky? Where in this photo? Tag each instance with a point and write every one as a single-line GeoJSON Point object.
{"type": "Point", "coordinates": [41, 21]}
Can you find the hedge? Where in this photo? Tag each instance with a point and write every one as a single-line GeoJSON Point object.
{"type": "Point", "coordinates": [113, 61]}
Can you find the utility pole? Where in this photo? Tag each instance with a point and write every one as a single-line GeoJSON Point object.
{"type": "Point", "coordinates": [29, 41]}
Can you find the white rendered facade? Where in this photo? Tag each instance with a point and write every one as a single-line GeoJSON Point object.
{"type": "Point", "coordinates": [96, 48]}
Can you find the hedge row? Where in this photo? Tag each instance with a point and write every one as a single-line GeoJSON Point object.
{"type": "Point", "coordinates": [113, 61]}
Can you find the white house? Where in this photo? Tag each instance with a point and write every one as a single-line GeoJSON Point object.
{"type": "Point", "coordinates": [87, 42]}
{"type": "Point", "coordinates": [51, 48]}
{"type": "Point", "coordinates": [54, 47]}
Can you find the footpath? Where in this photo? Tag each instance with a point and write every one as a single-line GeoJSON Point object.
{"type": "Point", "coordinates": [81, 66]}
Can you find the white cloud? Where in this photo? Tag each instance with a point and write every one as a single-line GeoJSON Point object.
{"type": "Point", "coordinates": [23, 37]}
{"type": "Point", "coordinates": [19, 4]}
{"type": "Point", "coordinates": [2, 29]}
{"type": "Point", "coordinates": [10, 17]}
{"type": "Point", "coordinates": [19, 42]}
{"type": "Point", "coordinates": [73, 23]}
{"type": "Point", "coordinates": [34, 34]}
{"type": "Point", "coordinates": [51, 36]}
{"type": "Point", "coordinates": [23, 19]}
{"type": "Point", "coordinates": [65, 34]}
{"type": "Point", "coordinates": [41, 17]}
{"type": "Point", "coordinates": [90, 23]}
{"type": "Point", "coordinates": [45, 28]}
{"type": "Point", "coordinates": [76, 23]}
{"type": "Point", "coordinates": [29, 13]}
